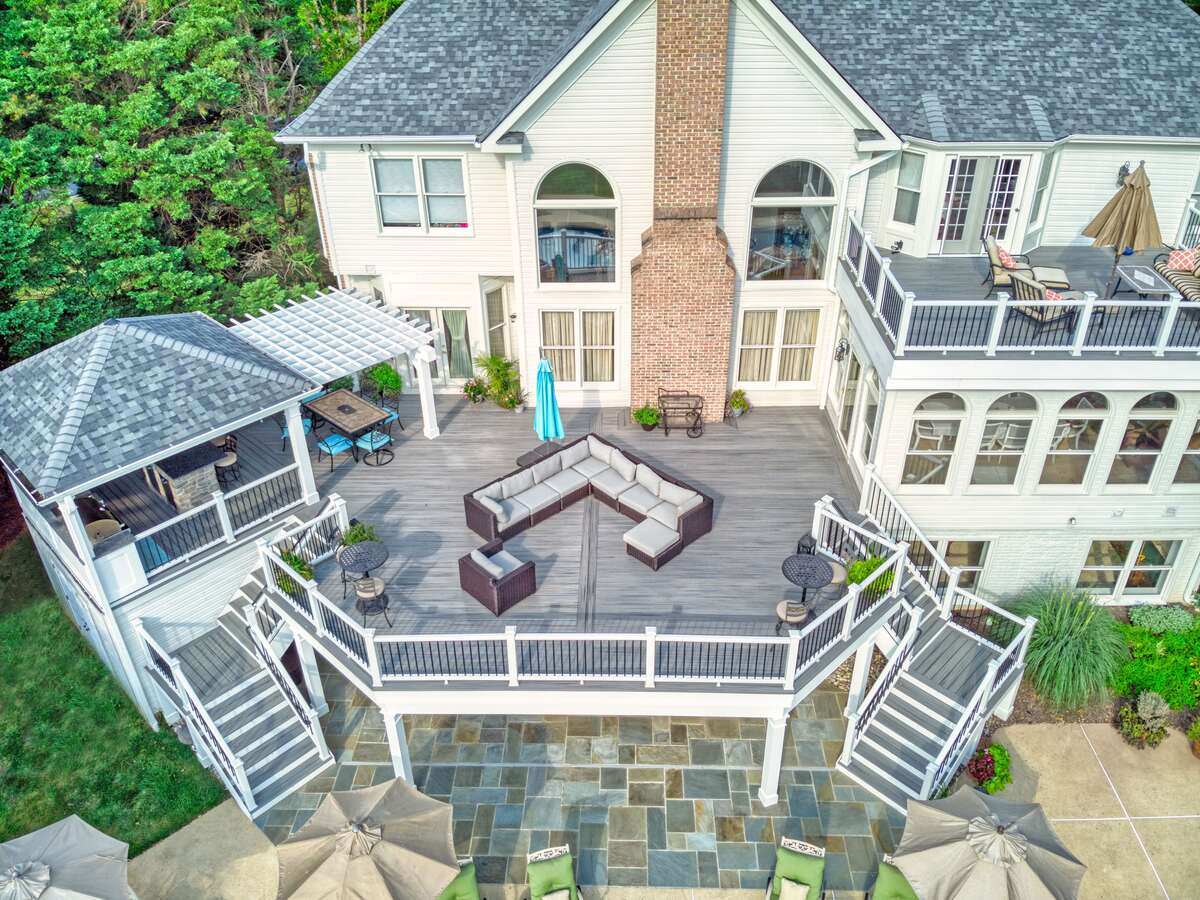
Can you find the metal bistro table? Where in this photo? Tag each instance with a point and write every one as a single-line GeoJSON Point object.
{"type": "Point", "coordinates": [353, 416]}
{"type": "Point", "coordinates": [807, 572]}
{"type": "Point", "coordinates": [363, 558]}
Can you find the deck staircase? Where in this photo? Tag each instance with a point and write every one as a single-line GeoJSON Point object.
{"type": "Point", "coordinates": [245, 715]}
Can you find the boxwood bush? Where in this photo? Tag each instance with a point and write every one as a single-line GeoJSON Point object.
{"type": "Point", "coordinates": [1160, 619]}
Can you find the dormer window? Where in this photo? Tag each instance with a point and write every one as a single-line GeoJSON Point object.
{"type": "Point", "coordinates": [791, 222]}
{"type": "Point", "coordinates": [576, 213]}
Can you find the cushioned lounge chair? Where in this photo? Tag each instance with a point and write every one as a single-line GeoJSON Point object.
{"type": "Point", "coordinates": [1000, 275]}
{"type": "Point", "coordinates": [464, 886]}
{"type": "Point", "coordinates": [1032, 301]}
{"type": "Point", "coordinates": [496, 578]}
{"type": "Point", "coordinates": [551, 875]}
{"type": "Point", "coordinates": [800, 864]}
{"type": "Point", "coordinates": [1186, 281]}
{"type": "Point", "coordinates": [890, 883]}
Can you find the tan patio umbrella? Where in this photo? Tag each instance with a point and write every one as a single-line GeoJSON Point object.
{"type": "Point", "coordinates": [389, 842]}
{"type": "Point", "coordinates": [1127, 220]}
{"type": "Point", "coordinates": [973, 846]}
{"type": "Point", "coordinates": [69, 860]}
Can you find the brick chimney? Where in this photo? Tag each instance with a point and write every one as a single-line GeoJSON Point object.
{"type": "Point", "coordinates": [682, 281]}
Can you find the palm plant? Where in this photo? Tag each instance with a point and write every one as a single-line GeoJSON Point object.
{"type": "Point", "coordinates": [1076, 647]}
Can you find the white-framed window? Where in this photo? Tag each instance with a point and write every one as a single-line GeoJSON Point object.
{"type": "Point", "coordinates": [421, 194]}
{"type": "Point", "coordinates": [1145, 434]}
{"type": "Point", "coordinates": [495, 309]}
{"type": "Point", "coordinates": [908, 187]}
{"type": "Point", "coordinates": [791, 224]}
{"type": "Point", "coordinates": [580, 344]}
{"type": "Point", "coordinates": [776, 346]}
{"type": "Point", "coordinates": [1041, 191]}
{"type": "Point", "coordinates": [1076, 435]}
{"type": "Point", "coordinates": [576, 214]}
{"type": "Point", "coordinates": [1128, 568]}
{"type": "Point", "coordinates": [934, 438]}
{"type": "Point", "coordinates": [969, 557]}
{"type": "Point", "coordinates": [1189, 465]}
{"type": "Point", "coordinates": [1005, 434]}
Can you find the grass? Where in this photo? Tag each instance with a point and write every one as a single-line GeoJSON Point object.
{"type": "Point", "coordinates": [70, 740]}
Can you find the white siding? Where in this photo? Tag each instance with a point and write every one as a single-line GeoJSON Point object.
{"type": "Point", "coordinates": [1087, 178]}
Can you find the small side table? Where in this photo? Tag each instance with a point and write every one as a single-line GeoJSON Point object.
{"type": "Point", "coordinates": [808, 572]}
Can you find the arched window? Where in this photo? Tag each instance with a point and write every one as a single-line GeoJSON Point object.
{"type": "Point", "coordinates": [934, 437]}
{"type": "Point", "coordinates": [1005, 434]}
{"type": "Point", "coordinates": [791, 223]}
{"type": "Point", "coordinates": [1075, 438]}
{"type": "Point", "coordinates": [1145, 434]}
{"type": "Point", "coordinates": [576, 214]}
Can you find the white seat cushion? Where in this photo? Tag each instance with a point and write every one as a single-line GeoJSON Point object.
{"type": "Point", "coordinates": [639, 499]}
{"type": "Point", "coordinates": [651, 537]}
{"type": "Point", "coordinates": [546, 468]}
{"type": "Point", "coordinates": [494, 490]}
{"type": "Point", "coordinates": [598, 449]}
{"type": "Point", "coordinates": [493, 568]}
{"type": "Point", "coordinates": [793, 890]}
{"type": "Point", "coordinates": [576, 453]}
{"type": "Point", "coordinates": [505, 562]}
{"type": "Point", "coordinates": [566, 481]}
{"type": "Point", "coordinates": [564, 894]}
{"type": "Point", "coordinates": [538, 497]}
{"type": "Point", "coordinates": [517, 483]}
{"type": "Point", "coordinates": [690, 503]}
{"type": "Point", "coordinates": [610, 483]}
{"type": "Point", "coordinates": [495, 507]}
{"type": "Point", "coordinates": [648, 478]}
{"type": "Point", "coordinates": [590, 467]}
{"type": "Point", "coordinates": [511, 510]}
{"type": "Point", "coordinates": [667, 513]}
{"type": "Point", "coordinates": [673, 493]}
{"type": "Point", "coordinates": [625, 467]}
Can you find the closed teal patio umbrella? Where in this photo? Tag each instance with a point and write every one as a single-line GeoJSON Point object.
{"type": "Point", "coordinates": [546, 420]}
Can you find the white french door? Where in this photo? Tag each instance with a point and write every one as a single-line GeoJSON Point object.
{"type": "Point", "coordinates": [981, 200]}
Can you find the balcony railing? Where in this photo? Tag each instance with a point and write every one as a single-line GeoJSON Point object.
{"type": "Point", "coordinates": [1001, 323]}
{"type": "Point", "coordinates": [1189, 234]}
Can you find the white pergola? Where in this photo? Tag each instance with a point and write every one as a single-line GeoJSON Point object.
{"type": "Point", "coordinates": [341, 332]}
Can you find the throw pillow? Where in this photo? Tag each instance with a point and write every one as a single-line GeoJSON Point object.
{"type": "Point", "coordinates": [495, 490]}
{"type": "Point", "coordinates": [793, 890]}
{"type": "Point", "coordinates": [1006, 258]}
{"type": "Point", "coordinates": [1183, 260]}
{"type": "Point", "coordinates": [622, 465]}
{"type": "Point", "coordinates": [599, 449]}
{"type": "Point", "coordinates": [673, 493]}
{"type": "Point", "coordinates": [486, 564]}
{"type": "Point", "coordinates": [1053, 295]}
{"type": "Point", "coordinates": [648, 478]}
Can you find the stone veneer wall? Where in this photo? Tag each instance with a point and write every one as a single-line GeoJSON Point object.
{"type": "Point", "coordinates": [682, 282]}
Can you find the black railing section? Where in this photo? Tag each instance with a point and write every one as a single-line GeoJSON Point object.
{"type": "Point", "coordinates": [847, 543]}
{"type": "Point", "coordinates": [951, 761]}
{"type": "Point", "coordinates": [1186, 330]}
{"type": "Point", "coordinates": [886, 515]}
{"type": "Point", "coordinates": [315, 542]}
{"type": "Point", "coordinates": [163, 667]}
{"type": "Point", "coordinates": [895, 666]}
{"type": "Point", "coordinates": [1125, 326]}
{"type": "Point", "coordinates": [268, 620]}
{"type": "Point", "coordinates": [283, 680]}
{"type": "Point", "coordinates": [286, 581]}
{"type": "Point", "coordinates": [873, 591]}
{"type": "Point", "coordinates": [854, 242]}
{"type": "Point", "coordinates": [263, 500]}
{"type": "Point", "coordinates": [211, 744]}
{"type": "Point", "coordinates": [891, 306]}
{"type": "Point", "coordinates": [983, 621]}
{"type": "Point", "coordinates": [818, 638]}
{"type": "Point", "coordinates": [1038, 326]}
{"type": "Point", "coordinates": [1007, 663]}
{"type": "Point", "coordinates": [442, 659]}
{"type": "Point", "coordinates": [701, 659]}
{"type": "Point", "coordinates": [870, 277]}
{"type": "Point", "coordinates": [180, 539]}
{"type": "Point", "coordinates": [345, 634]}
{"type": "Point", "coordinates": [897, 622]}
{"type": "Point", "coordinates": [965, 325]}
{"type": "Point", "coordinates": [613, 658]}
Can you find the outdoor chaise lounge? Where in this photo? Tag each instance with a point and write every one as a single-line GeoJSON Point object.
{"type": "Point", "coordinates": [799, 871]}
{"type": "Point", "coordinates": [670, 514]}
{"type": "Point", "coordinates": [465, 885]}
{"type": "Point", "coordinates": [1174, 267]}
{"type": "Point", "coordinates": [1000, 274]}
{"type": "Point", "coordinates": [495, 577]}
{"type": "Point", "coordinates": [1033, 301]}
{"type": "Point", "coordinates": [890, 883]}
{"type": "Point", "coordinates": [551, 874]}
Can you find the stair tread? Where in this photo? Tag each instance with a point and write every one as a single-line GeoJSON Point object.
{"type": "Point", "coordinates": [276, 742]}
{"type": "Point", "coordinates": [897, 704]}
{"type": "Point", "coordinates": [249, 689]}
{"type": "Point", "coordinates": [914, 688]}
{"type": "Point", "coordinates": [906, 732]}
{"type": "Point", "coordinates": [262, 778]}
{"type": "Point", "coordinates": [268, 795]}
{"type": "Point", "coordinates": [873, 780]}
{"type": "Point", "coordinates": [264, 726]}
{"type": "Point", "coordinates": [896, 748]}
{"type": "Point", "coordinates": [886, 764]}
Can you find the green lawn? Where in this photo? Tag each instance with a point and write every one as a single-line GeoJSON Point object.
{"type": "Point", "coordinates": [70, 740]}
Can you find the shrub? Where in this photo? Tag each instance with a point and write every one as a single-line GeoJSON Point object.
{"type": "Point", "coordinates": [646, 415]}
{"type": "Point", "coordinates": [386, 380]}
{"type": "Point", "coordinates": [1161, 619]}
{"type": "Point", "coordinates": [861, 569]}
{"type": "Point", "coordinates": [1193, 730]}
{"type": "Point", "coordinates": [502, 378]}
{"type": "Point", "coordinates": [991, 768]}
{"type": "Point", "coordinates": [1076, 647]}
{"type": "Point", "coordinates": [357, 533]}
{"type": "Point", "coordinates": [1144, 724]}
{"type": "Point", "coordinates": [1168, 664]}
{"type": "Point", "coordinates": [340, 383]}
{"type": "Point", "coordinates": [737, 400]}
{"type": "Point", "coordinates": [475, 390]}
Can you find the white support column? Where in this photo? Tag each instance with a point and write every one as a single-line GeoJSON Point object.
{"type": "Point", "coordinates": [393, 724]}
{"type": "Point", "coordinates": [421, 360]}
{"type": "Point", "coordinates": [299, 442]}
{"type": "Point", "coordinates": [768, 791]}
{"type": "Point", "coordinates": [312, 676]}
{"type": "Point", "coordinates": [858, 677]}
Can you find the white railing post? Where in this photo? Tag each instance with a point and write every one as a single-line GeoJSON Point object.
{"type": "Point", "coordinates": [989, 682]}
{"type": "Point", "coordinates": [1083, 323]}
{"type": "Point", "coordinates": [851, 738]}
{"type": "Point", "coordinates": [951, 589]}
{"type": "Point", "coordinates": [1168, 325]}
{"type": "Point", "coordinates": [1030, 624]}
{"type": "Point", "coordinates": [852, 593]}
{"type": "Point", "coordinates": [343, 514]}
{"type": "Point", "coordinates": [927, 781]}
{"type": "Point", "coordinates": [905, 322]}
{"type": "Point", "coordinates": [373, 657]}
{"type": "Point", "coordinates": [898, 572]}
{"type": "Point", "coordinates": [651, 643]}
{"type": "Point", "coordinates": [314, 602]}
{"type": "Point", "coordinates": [793, 654]}
{"type": "Point", "coordinates": [999, 311]}
{"type": "Point", "coordinates": [821, 509]}
{"type": "Point", "coordinates": [510, 644]}
{"type": "Point", "coordinates": [223, 516]}
{"type": "Point", "coordinates": [877, 301]}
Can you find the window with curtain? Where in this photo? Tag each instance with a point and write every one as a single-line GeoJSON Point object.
{"type": "Point", "coordinates": [558, 343]}
{"type": "Point", "coordinates": [599, 346]}
{"type": "Point", "coordinates": [496, 306]}
{"type": "Point", "coordinates": [791, 221]}
{"type": "Point", "coordinates": [580, 345]}
{"type": "Point", "coordinates": [458, 343]}
{"type": "Point", "coordinates": [424, 317]}
{"type": "Point", "coordinates": [850, 398]}
{"type": "Point", "coordinates": [757, 345]}
{"type": "Point", "coordinates": [908, 187]}
{"type": "Point", "coordinates": [777, 345]}
{"type": "Point", "coordinates": [934, 438]}
{"type": "Point", "coordinates": [870, 413]}
{"type": "Point", "coordinates": [420, 193]}
{"type": "Point", "coordinates": [576, 213]}
{"type": "Point", "coordinates": [1189, 466]}
{"type": "Point", "coordinates": [1005, 434]}
{"type": "Point", "coordinates": [1145, 434]}
{"type": "Point", "coordinates": [969, 557]}
{"type": "Point", "coordinates": [1076, 435]}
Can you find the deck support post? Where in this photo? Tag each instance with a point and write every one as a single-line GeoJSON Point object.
{"type": "Point", "coordinates": [299, 442]}
{"type": "Point", "coordinates": [421, 360]}
{"type": "Point", "coordinates": [393, 724]}
{"type": "Point", "coordinates": [768, 790]}
{"type": "Point", "coordinates": [312, 676]}
{"type": "Point", "coordinates": [858, 676]}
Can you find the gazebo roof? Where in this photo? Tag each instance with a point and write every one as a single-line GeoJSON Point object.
{"type": "Point", "coordinates": [336, 333]}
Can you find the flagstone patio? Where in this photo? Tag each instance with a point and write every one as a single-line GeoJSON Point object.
{"type": "Point", "coordinates": [664, 802]}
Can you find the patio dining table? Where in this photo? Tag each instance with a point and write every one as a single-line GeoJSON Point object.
{"type": "Point", "coordinates": [348, 413]}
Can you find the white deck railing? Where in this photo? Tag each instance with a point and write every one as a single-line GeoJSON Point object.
{"type": "Point", "coordinates": [1002, 323]}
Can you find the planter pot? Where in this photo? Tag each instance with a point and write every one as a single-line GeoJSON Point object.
{"type": "Point", "coordinates": [519, 408]}
{"type": "Point", "coordinates": [649, 427]}
{"type": "Point", "coordinates": [737, 412]}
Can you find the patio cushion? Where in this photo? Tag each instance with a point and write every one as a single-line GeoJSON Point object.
{"type": "Point", "coordinates": [690, 503]}
{"type": "Point", "coordinates": [546, 468]}
{"type": "Point", "coordinates": [495, 507]}
{"type": "Point", "coordinates": [648, 478]}
{"type": "Point", "coordinates": [550, 875]}
{"type": "Point", "coordinates": [1183, 260]}
{"type": "Point", "coordinates": [538, 497]}
{"type": "Point", "coordinates": [890, 884]}
{"type": "Point", "coordinates": [517, 483]}
{"type": "Point", "coordinates": [511, 510]}
{"type": "Point", "coordinates": [640, 499]}
{"type": "Point", "coordinates": [610, 483]}
{"type": "Point", "coordinates": [590, 467]}
{"type": "Point", "coordinates": [675, 494]}
{"type": "Point", "coordinates": [651, 537]}
{"type": "Point", "coordinates": [505, 562]}
{"type": "Point", "coordinates": [495, 570]}
{"type": "Point", "coordinates": [566, 481]}
{"type": "Point", "coordinates": [667, 513]}
{"type": "Point", "coordinates": [573, 454]}
{"type": "Point", "coordinates": [598, 449]}
{"type": "Point", "coordinates": [624, 466]}
{"type": "Point", "coordinates": [463, 887]}
{"type": "Point", "coordinates": [1051, 277]}
{"type": "Point", "coordinates": [795, 866]}
{"type": "Point", "coordinates": [495, 490]}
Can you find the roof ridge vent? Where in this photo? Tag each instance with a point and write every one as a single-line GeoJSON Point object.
{"type": "Point", "coordinates": [935, 116]}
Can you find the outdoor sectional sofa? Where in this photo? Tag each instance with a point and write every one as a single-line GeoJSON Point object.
{"type": "Point", "coordinates": [670, 514]}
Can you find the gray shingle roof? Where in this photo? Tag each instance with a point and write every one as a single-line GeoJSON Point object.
{"type": "Point", "coordinates": [941, 69]}
{"type": "Point", "coordinates": [130, 389]}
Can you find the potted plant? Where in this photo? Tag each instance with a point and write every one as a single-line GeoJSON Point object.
{"type": "Point", "coordinates": [991, 767]}
{"type": "Point", "coordinates": [386, 379]}
{"type": "Point", "coordinates": [1193, 735]}
{"type": "Point", "coordinates": [501, 378]}
{"type": "Point", "coordinates": [647, 416]}
{"type": "Point", "coordinates": [296, 563]}
{"type": "Point", "coordinates": [475, 390]}
{"type": "Point", "coordinates": [357, 533]}
{"type": "Point", "coordinates": [513, 398]}
{"type": "Point", "coordinates": [861, 569]}
{"type": "Point", "coordinates": [738, 404]}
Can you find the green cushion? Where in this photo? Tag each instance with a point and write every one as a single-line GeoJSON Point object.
{"type": "Point", "coordinates": [463, 887]}
{"type": "Point", "coordinates": [549, 875]}
{"type": "Point", "coordinates": [799, 867]}
{"type": "Point", "coordinates": [890, 884]}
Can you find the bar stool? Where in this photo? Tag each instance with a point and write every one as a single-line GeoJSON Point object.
{"type": "Point", "coordinates": [227, 468]}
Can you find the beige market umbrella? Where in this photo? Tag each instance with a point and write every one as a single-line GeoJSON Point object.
{"type": "Point", "coordinates": [1127, 220]}
{"type": "Point", "coordinates": [973, 846]}
{"type": "Point", "coordinates": [69, 860]}
{"type": "Point", "coordinates": [388, 842]}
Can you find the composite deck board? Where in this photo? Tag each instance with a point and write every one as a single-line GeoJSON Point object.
{"type": "Point", "coordinates": [214, 662]}
{"type": "Point", "coordinates": [953, 664]}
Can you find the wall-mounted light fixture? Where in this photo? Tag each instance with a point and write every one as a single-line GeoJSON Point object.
{"type": "Point", "coordinates": [1123, 173]}
{"type": "Point", "coordinates": [842, 348]}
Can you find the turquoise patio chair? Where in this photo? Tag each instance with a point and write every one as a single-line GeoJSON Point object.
{"type": "Point", "coordinates": [890, 883]}
{"type": "Point", "coordinates": [331, 445]}
{"type": "Point", "coordinates": [800, 864]}
{"type": "Point", "coordinates": [375, 444]}
{"type": "Point", "coordinates": [283, 430]}
{"type": "Point", "coordinates": [551, 871]}
{"type": "Point", "coordinates": [464, 886]}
